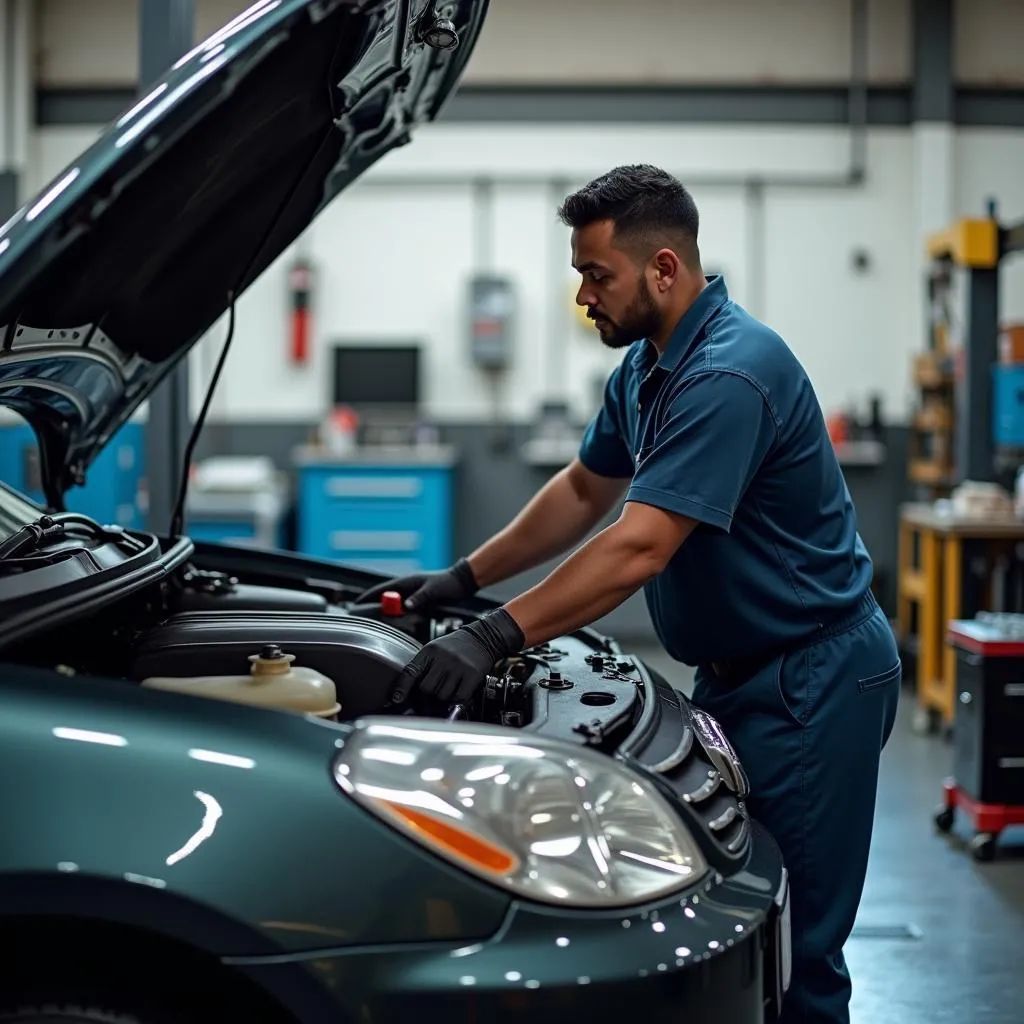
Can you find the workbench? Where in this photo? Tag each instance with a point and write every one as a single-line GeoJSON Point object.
{"type": "Point", "coordinates": [933, 549]}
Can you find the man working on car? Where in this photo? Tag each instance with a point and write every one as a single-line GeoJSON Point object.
{"type": "Point", "coordinates": [738, 524]}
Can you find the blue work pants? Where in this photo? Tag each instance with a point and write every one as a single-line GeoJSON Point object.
{"type": "Point", "coordinates": [809, 728]}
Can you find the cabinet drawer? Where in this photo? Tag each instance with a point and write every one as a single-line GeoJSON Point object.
{"type": "Point", "coordinates": [375, 540]}
{"type": "Point", "coordinates": [372, 487]}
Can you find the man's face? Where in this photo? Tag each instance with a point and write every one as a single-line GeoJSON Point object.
{"type": "Point", "coordinates": [614, 289]}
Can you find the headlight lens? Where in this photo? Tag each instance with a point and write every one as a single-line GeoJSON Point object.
{"type": "Point", "coordinates": [544, 819]}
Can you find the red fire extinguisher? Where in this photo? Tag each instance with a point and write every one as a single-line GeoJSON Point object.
{"type": "Point", "coordinates": [300, 287]}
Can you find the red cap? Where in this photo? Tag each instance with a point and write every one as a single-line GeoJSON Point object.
{"type": "Point", "coordinates": [391, 603]}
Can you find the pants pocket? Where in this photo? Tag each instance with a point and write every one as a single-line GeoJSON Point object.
{"type": "Point", "coordinates": [793, 684]}
{"type": "Point", "coordinates": [891, 674]}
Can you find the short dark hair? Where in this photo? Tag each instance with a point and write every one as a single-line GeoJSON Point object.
{"type": "Point", "coordinates": [647, 206]}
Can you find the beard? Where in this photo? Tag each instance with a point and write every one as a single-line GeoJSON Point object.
{"type": "Point", "coordinates": [640, 320]}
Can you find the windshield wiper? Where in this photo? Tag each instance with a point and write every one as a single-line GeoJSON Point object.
{"type": "Point", "coordinates": [30, 536]}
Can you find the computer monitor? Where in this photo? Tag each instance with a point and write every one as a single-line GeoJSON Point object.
{"type": "Point", "coordinates": [377, 380]}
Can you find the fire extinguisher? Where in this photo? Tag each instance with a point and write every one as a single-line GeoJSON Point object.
{"type": "Point", "coordinates": [300, 288]}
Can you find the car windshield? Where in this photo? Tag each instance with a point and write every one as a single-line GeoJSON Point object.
{"type": "Point", "coordinates": [15, 512]}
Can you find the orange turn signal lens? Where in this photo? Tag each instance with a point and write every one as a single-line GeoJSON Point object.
{"type": "Point", "coordinates": [457, 841]}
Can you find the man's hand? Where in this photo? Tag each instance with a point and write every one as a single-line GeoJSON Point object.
{"type": "Point", "coordinates": [453, 667]}
{"type": "Point", "coordinates": [424, 590]}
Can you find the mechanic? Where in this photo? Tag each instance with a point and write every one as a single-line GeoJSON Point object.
{"type": "Point", "coordinates": [737, 523]}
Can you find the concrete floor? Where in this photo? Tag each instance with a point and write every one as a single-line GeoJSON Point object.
{"type": "Point", "coordinates": [939, 936]}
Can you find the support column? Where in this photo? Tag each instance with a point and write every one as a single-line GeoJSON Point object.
{"type": "Point", "coordinates": [934, 135]}
{"type": "Point", "coordinates": [16, 101]}
{"type": "Point", "coordinates": [166, 32]}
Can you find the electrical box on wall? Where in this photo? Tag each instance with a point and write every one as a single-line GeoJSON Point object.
{"type": "Point", "coordinates": [491, 321]}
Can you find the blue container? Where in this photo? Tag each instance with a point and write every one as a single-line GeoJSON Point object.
{"type": "Point", "coordinates": [1008, 406]}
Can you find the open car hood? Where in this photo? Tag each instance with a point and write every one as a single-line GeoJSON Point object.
{"type": "Point", "coordinates": [115, 270]}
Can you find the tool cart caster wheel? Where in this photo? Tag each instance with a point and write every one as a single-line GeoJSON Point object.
{"type": "Point", "coordinates": [944, 819]}
{"type": "Point", "coordinates": [983, 846]}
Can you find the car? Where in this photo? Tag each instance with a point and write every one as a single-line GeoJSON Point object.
{"type": "Point", "coordinates": [212, 810]}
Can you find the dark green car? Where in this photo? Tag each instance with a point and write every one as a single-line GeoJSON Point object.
{"type": "Point", "coordinates": [210, 811]}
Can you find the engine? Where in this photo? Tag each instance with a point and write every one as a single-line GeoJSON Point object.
{"type": "Point", "coordinates": [295, 651]}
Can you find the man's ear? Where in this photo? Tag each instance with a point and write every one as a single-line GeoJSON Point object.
{"type": "Point", "coordinates": [667, 268]}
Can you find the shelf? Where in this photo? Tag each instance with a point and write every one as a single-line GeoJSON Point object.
{"type": "Point", "coordinates": [933, 420]}
{"type": "Point", "coordinates": [930, 374]}
{"type": "Point", "coordinates": [923, 471]}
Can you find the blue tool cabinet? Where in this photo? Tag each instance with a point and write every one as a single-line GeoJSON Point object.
{"type": "Point", "coordinates": [388, 511]}
{"type": "Point", "coordinates": [112, 488]}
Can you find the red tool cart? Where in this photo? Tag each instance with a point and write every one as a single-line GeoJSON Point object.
{"type": "Point", "coordinates": [988, 765]}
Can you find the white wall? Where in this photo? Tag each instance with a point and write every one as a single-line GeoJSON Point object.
{"type": "Point", "coordinates": [394, 254]}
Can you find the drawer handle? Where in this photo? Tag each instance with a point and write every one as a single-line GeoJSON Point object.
{"type": "Point", "coordinates": [373, 487]}
{"type": "Point", "coordinates": [375, 540]}
{"type": "Point", "coordinates": [1013, 690]}
{"type": "Point", "coordinates": [1011, 762]}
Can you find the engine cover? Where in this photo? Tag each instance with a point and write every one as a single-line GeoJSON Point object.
{"type": "Point", "coordinates": [360, 656]}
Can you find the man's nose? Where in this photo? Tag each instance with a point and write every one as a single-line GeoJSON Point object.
{"type": "Point", "coordinates": [585, 296]}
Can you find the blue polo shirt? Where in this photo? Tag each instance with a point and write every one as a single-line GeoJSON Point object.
{"type": "Point", "coordinates": [725, 428]}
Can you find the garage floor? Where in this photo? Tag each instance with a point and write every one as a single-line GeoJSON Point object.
{"type": "Point", "coordinates": [939, 936]}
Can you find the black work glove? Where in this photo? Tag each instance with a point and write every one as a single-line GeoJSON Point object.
{"type": "Point", "coordinates": [423, 590]}
{"type": "Point", "coordinates": [454, 666]}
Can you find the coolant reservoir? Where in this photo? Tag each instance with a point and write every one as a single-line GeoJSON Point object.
{"type": "Point", "coordinates": [272, 682]}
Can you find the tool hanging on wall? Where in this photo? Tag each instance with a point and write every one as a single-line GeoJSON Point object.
{"type": "Point", "coordinates": [300, 290]}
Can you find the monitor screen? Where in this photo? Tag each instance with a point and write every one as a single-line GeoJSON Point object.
{"type": "Point", "coordinates": [376, 375]}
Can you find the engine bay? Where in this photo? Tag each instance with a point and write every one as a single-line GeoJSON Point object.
{"type": "Point", "coordinates": [258, 638]}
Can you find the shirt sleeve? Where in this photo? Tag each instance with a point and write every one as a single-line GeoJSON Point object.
{"type": "Point", "coordinates": [604, 449]}
{"type": "Point", "coordinates": [715, 433]}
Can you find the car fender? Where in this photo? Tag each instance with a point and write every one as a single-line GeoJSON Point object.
{"type": "Point", "coordinates": [217, 821]}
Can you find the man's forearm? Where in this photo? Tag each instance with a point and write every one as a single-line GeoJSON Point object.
{"type": "Point", "coordinates": [557, 518]}
{"type": "Point", "coordinates": [594, 581]}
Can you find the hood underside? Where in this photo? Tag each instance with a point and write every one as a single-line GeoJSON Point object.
{"type": "Point", "coordinates": [111, 275]}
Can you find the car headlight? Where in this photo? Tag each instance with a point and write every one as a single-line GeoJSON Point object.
{"type": "Point", "coordinates": [545, 819]}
